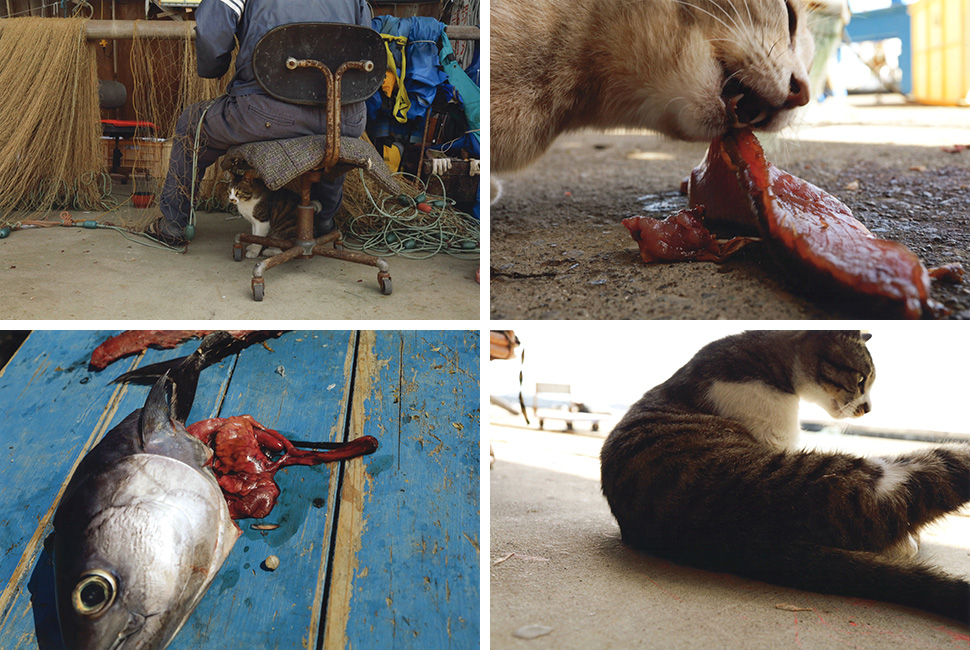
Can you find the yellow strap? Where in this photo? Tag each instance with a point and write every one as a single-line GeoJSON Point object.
{"type": "Point", "coordinates": [402, 103]}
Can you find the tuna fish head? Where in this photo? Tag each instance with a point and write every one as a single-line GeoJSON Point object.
{"type": "Point", "coordinates": [141, 533]}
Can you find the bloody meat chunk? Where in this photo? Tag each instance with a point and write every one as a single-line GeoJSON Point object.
{"type": "Point", "coordinates": [810, 233]}
{"type": "Point", "coordinates": [134, 341]}
{"type": "Point", "coordinates": [246, 456]}
{"type": "Point", "coordinates": [681, 236]}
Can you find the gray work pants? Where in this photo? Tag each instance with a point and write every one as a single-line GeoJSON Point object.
{"type": "Point", "coordinates": [238, 120]}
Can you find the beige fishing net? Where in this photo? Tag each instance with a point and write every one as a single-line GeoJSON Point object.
{"type": "Point", "coordinates": [52, 156]}
{"type": "Point", "coordinates": [165, 81]}
{"type": "Point", "coordinates": [50, 148]}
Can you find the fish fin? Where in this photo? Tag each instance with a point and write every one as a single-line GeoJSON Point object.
{"type": "Point", "coordinates": [184, 371]}
{"type": "Point", "coordinates": [147, 375]}
{"type": "Point", "coordinates": [158, 411]}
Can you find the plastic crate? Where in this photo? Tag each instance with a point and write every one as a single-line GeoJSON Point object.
{"type": "Point", "coordinates": [941, 51]}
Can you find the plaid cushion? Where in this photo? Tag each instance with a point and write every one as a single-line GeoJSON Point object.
{"type": "Point", "coordinates": [280, 161]}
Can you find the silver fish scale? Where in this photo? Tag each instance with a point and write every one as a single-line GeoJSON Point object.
{"type": "Point", "coordinates": [156, 527]}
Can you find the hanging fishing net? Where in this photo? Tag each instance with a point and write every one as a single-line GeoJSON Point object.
{"type": "Point", "coordinates": [50, 148]}
{"type": "Point", "coordinates": [165, 82]}
{"type": "Point", "coordinates": [52, 156]}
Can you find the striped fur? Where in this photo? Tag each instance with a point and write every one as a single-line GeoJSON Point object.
{"type": "Point", "coordinates": [272, 214]}
{"type": "Point", "coordinates": [686, 482]}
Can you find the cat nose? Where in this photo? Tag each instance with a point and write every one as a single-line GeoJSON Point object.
{"type": "Point", "coordinates": [798, 94]}
{"type": "Point", "coordinates": [863, 408]}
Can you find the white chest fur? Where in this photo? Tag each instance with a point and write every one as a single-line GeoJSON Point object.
{"type": "Point", "coordinates": [769, 414]}
{"type": "Point", "coordinates": [246, 209]}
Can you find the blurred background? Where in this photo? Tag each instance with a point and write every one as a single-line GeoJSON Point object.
{"type": "Point", "coordinates": [919, 392]}
{"type": "Point", "coordinates": [917, 48]}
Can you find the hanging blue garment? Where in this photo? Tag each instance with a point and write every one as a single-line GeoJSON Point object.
{"type": "Point", "coordinates": [423, 74]}
{"type": "Point", "coordinates": [468, 93]}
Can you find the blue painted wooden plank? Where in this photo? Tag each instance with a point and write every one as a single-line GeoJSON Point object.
{"type": "Point", "coordinates": [414, 569]}
{"type": "Point", "coordinates": [300, 388]}
{"type": "Point", "coordinates": [50, 406]}
{"type": "Point", "coordinates": [56, 411]}
{"type": "Point", "coordinates": [426, 378]}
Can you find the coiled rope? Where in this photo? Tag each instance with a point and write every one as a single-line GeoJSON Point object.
{"type": "Point", "coordinates": [416, 227]}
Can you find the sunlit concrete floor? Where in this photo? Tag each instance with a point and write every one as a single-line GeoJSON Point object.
{"type": "Point", "coordinates": [76, 273]}
{"type": "Point", "coordinates": [558, 568]}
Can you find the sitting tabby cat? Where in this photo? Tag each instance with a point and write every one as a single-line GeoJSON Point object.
{"type": "Point", "coordinates": [272, 214]}
{"type": "Point", "coordinates": [704, 469]}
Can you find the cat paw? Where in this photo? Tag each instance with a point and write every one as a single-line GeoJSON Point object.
{"type": "Point", "coordinates": [252, 251]}
{"type": "Point", "coordinates": [270, 251]}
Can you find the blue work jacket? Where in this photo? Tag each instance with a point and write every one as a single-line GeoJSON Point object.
{"type": "Point", "coordinates": [219, 23]}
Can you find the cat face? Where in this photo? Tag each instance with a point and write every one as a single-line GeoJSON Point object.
{"type": "Point", "coordinates": [237, 194]}
{"type": "Point", "coordinates": [242, 190]}
{"type": "Point", "coordinates": [748, 65]}
{"type": "Point", "coordinates": [245, 195]}
{"type": "Point", "coordinates": [836, 372]}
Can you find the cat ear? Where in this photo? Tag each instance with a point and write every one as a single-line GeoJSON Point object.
{"type": "Point", "coordinates": [865, 335]}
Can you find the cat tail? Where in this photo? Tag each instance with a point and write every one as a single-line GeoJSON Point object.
{"type": "Point", "coordinates": [857, 574]}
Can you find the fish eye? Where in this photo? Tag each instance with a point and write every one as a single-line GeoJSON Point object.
{"type": "Point", "coordinates": [94, 593]}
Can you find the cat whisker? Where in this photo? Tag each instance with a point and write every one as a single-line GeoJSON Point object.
{"type": "Point", "coordinates": [729, 16]}
{"type": "Point", "coordinates": [737, 13]}
{"type": "Point", "coordinates": [705, 11]}
{"type": "Point", "coordinates": [672, 100]}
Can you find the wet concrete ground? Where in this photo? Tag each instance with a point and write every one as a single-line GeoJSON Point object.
{"type": "Point", "coordinates": [559, 251]}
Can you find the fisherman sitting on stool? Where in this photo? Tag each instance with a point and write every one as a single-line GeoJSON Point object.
{"type": "Point", "coordinates": [247, 113]}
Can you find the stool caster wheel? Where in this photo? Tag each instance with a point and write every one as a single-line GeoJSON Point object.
{"type": "Point", "coordinates": [385, 282]}
{"type": "Point", "coordinates": [258, 290]}
{"type": "Point", "coordinates": [237, 252]}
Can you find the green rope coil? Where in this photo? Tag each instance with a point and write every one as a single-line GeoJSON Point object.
{"type": "Point", "coordinates": [398, 227]}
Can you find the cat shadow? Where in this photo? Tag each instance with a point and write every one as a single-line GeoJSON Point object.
{"type": "Point", "coordinates": [43, 604]}
{"type": "Point", "coordinates": [666, 575]}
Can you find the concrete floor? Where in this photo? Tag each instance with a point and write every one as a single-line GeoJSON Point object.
{"type": "Point", "coordinates": [558, 250]}
{"type": "Point", "coordinates": [558, 569]}
{"type": "Point", "coordinates": [74, 273]}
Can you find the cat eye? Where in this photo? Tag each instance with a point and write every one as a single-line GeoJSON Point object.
{"type": "Point", "coordinates": [792, 19]}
